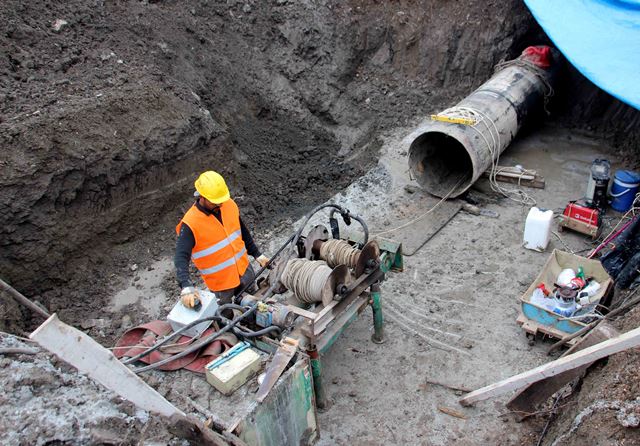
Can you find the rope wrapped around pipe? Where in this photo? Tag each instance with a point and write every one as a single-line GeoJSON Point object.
{"type": "Point", "coordinates": [339, 252]}
{"type": "Point", "coordinates": [306, 278]}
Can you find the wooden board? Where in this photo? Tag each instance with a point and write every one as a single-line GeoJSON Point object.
{"type": "Point", "coordinates": [508, 174]}
{"type": "Point", "coordinates": [578, 226]}
{"type": "Point", "coordinates": [620, 343]}
{"type": "Point", "coordinates": [532, 327]}
{"type": "Point", "coordinates": [89, 357]}
{"type": "Point", "coordinates": [527, 400]}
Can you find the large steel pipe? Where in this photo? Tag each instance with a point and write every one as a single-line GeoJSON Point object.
{"type": "Point", "coordinates": [446, 158]}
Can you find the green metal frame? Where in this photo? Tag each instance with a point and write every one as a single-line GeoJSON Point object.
{"type": "Point", "coordinates": [288, 415]}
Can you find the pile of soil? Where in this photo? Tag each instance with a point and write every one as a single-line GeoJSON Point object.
{"type": "Point", "coordinates": [606, 408]}
{"type": "Point", "coordinates": [45, 401]}
{"type": "Point", "coordinates": [109, 110]}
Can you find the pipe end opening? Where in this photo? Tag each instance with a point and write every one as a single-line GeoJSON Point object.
{"type": "Point", "coordinates": [440, 164]}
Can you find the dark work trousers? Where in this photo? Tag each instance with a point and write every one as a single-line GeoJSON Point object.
{"type": "Point", "coordinates": [249, 277]}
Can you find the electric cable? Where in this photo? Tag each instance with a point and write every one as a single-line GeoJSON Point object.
{"type": "Point", "coordinates": [419, 217]}
{"type": "Point", "coordinates": [198, 344]}
{"type": "Point", "coordinates": [306, 278]}
{"type": "Point", "coordinates": [166, 339]}
{"type": "Point", "coordinates": [357, 218]}
{"type": "Point", "coordinates": [339, 252]}
{"type": "Point", "coordinates": [217, 316]}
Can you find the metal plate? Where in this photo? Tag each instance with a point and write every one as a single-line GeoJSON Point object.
{"type": "Point", "coordinates": [318, 232]}
{"type": "Point", "coordinates": [370, 251]}
{"type": "Point", "coordinates": [339, 275]}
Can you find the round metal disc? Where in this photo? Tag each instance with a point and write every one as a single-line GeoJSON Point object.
{"type": "Point", "coordinates": [338, 276]}
{"type": "Point", "coordinates": [319, 232]}
{"type": "Point", "coordinates": [276, 271]}
{"type": "Point", "coordinates": [370, 251]}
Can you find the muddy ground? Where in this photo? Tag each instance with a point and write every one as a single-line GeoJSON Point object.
{"type": "Point", "coordinates": [109, 110]}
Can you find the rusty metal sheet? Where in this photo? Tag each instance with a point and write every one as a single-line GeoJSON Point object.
{"type": "Point", "coordinates": [415, 230]}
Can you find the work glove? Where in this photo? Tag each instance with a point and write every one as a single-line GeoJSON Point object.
{"type": "Point", "coordinates": [262, 260]}
{"type": "Point", "coordinates": [190, 297]}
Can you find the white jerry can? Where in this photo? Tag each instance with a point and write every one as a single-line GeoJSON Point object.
{"type": "Point", "coordinates": [537, 229]}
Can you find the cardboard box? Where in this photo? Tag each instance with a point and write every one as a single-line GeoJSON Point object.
{"type": "Point", "coordinates": [233, 373]}
{"type": "Point", "coordinates": [547, 321]}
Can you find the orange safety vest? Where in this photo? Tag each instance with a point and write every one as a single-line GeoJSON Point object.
{"type": "Point", "coordinates": [219, 252]}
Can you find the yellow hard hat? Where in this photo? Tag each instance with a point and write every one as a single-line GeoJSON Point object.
{"type": "Point", "coordinates": [211, 186]}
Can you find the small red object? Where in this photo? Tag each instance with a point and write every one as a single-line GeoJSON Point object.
{"type": "Point", "coordinates": [544, 289]}
{"type": "Point", "coordinates": [538, 55]}
{"type": "Point", "coordinates": [577, 283]}
{"type": "Point", "coordinates": [581, 213]}
{"type": "Point", "coordinates": [581, 218]}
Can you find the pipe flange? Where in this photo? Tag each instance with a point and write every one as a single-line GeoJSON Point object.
{"type": "Point", "coordinates": [369, 255]}
{"type": "Point", "coordinates": [339, 276]}
{"type": "Point", "coordinates": [319, 232]}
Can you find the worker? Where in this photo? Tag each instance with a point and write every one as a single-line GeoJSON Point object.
{"type": "Point", "coordinates": [215, 237]}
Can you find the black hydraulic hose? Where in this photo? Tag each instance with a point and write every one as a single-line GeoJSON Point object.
{"type": "Point", "coordinates": [296, 237]}
{"type": "Point", "coordinates": [223, 307]}
{"type": "Point", "coordinates": [198, 344]}
{"type": "Point", "coordinates": [167, 338]}
{"type": "Point", "coordinates": [357, 218]}
{"type": "Point", "coordinates": [244, 332]}
{"type": "Point", "coordinates": [255, 334]}
{"type": "Point", "coordinates": [196, 322]}
{"type": "Point", "coordinates": [261, 270]}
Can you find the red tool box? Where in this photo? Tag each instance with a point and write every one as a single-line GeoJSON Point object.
{"type": "Point", "coordinates": [580, 218]}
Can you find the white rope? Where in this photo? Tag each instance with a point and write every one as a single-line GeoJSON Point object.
{"type": "Point", "coordinates": [540, 73]}
{"type": "Point", "coordinates": [306, 278]}
{"type": "Point", "coordinates": [338, 252]}
{"type": "Point", "coordinates": [419, 217]}
{"type": "Point", "coordinates": [518, 195]}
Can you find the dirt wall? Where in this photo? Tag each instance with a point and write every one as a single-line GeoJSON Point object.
{"type": "Point", "coordinates": [110, 109]}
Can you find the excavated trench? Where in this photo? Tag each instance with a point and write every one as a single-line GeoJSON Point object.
{"type": "Point", "coordinates": [109, 111]}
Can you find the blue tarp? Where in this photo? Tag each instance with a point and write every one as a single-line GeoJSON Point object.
{"type": "Point", "coordinates": [601, 38]}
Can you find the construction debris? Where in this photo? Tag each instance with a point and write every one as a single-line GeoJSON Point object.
{"type": "Point", "coordinates": [526, 401]}
{"type": "Point", "coordinates": [620, 343]}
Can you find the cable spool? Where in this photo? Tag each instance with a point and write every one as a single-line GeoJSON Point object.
{"type": "Point", "coordinates": [313, 281]}
{"type": "Point", "coordinates": [339, 252]}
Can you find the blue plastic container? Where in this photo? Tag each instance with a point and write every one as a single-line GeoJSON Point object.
{"type": "Point", "coordinates": [624, 189]}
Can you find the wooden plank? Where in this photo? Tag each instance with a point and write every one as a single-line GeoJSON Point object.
{"type": "Point", "coordinates": [341, 322]}
{"type": "Point", "coordinates": [320, 324]}
{"type": "Point", "coordinates": [358, 288]}
{"type": "Point", "coordinates": [536, 181]}
{"type": "Point", "coordinates": [532, 327]}
{"type": "Point", "coordinates": [452, 412]}
{"type": "Point", "coordinates": [325, 310]}
{"type": "Point", "coordinates": [302, 312]}
{"type": "Point", "coordinates": [527, 400]}
{"type": "Point", "coordinates": [92, 359]}
{"type": "Point", "coordinates": [603, 349]}
{"type": "Point", "coordinates": [423, 217]}
{"type": "Point", "coordinates": [579, 226]}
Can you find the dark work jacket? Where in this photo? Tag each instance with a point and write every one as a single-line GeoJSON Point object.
{"type": "Point", "coordinates": [186, 241]}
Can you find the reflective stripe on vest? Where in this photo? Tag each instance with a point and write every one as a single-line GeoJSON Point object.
{"type": "Point", "coordinates": [219, 252]}
{"type": "Point", "coordinates": [223, 265]}
{"type": "Point", "coordinates": [217, 247]}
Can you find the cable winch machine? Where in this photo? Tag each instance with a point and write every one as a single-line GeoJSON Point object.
{"type": "Point", "coordinates": [318, 287]}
